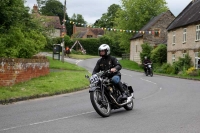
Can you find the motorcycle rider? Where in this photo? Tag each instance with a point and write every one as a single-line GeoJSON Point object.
{"type": "Point", "coordinates": [107, 62]}
{"type": "Point", "coordinates": [146, 60]}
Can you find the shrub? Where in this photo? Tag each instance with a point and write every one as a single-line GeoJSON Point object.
{"type": "Point", "coordinates": [192, 71]}
{"type": "Point", "coordinates": [159, 54]}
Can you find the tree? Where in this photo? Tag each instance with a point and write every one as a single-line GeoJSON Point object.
{"type": "Point", "coordinates": [159, 54]}
{"type": "Point", "coordinates": [146, 51]}
{"type": "Point", "coordinates": [78, 18]}
{"type": "Point", "coordinates": [134, 15]}
{"type": "Point", "coordinates": [19, 35]}
{"type": "Point", "coordinates": [107, 19]}
{"type": "Point", "coordinates": [12, 12]}
{"type": "Point", "coordinates": [53, 8]}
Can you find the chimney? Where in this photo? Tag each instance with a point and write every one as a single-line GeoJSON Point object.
{"type": "Point", "coordinates": [35, 9]}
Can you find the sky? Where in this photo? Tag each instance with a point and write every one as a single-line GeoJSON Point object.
{"type": "Point", "coordinates": [91, 10]}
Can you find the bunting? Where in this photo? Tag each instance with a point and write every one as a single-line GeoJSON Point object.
{"type": "Point", "coordinates": [114, 29]}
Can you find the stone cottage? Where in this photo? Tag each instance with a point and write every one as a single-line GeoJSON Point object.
{"type": "Point", "coordinates": [153, 33]}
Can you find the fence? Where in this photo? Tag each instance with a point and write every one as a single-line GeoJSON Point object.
{"type": "Point", "coordinates": [125, 56]}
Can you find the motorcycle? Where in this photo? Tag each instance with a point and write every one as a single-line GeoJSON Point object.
{"type": "Point", "coordinates": [104, 96]}
{"type": "Point", "coordinates": [149, 70]}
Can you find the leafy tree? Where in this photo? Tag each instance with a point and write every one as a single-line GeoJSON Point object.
{"type": "Point", "coordinates": [53, 8]}
{"type": "Point", "coordinates": [159, 54]}
{"type": "Point", "coordinates": [19, 35]}
{"type": "Point", "coordinates": [12, 12]}
{"type": "Point", "coordinates": [78, 18]}
{"type": "Point", "coordinates": [146, 51]}
{"type": "Point", "coordinates": [135, 14]}
{"type": "Point", "coordinates": [107, 19]}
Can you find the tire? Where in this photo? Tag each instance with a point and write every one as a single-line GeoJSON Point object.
{"type": "Point", "coordinates": [129, 106]}
{"type": "Point", "coordinates": [151, 73]}
{"type": "Point", "coordinates": [96, 101]}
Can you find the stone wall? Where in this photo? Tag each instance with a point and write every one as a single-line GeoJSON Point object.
{"type": "Point", "coordinates": [190, 46]}
{"type": "Point", "coordinates": [16, 70]}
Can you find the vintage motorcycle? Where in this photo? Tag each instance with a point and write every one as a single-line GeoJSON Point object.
{"type": "Point", "coordinates": [105, 96]}
{"type": "Point", "coordinates": [149, 70]}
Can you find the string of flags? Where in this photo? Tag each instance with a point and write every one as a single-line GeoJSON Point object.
{"type": "Point", "coordinates": [114, 29]}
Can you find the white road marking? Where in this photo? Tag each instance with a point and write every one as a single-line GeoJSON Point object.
{"type": "Point", "coordinates": [147, 80]}
{"type": "Point", "coordinates": [42, 122]}
{"type": "Point", "coordinates": [77, 61]}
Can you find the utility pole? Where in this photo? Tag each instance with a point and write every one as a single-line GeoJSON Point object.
{"type": "Point", "coordinates": [64, 31]}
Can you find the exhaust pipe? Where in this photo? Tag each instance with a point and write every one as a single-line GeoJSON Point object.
{"type": "Point", "coordinates": [129, 99]}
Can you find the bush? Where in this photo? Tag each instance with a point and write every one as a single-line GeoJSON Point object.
{"type": "Point", "coordinates": [192, 71]}
{"type": "Point", "coordinates": [159, 54]}
{"type": "Point", "coordinates": [146, 51]}
{"type": "Point", "coordinates": [21, 44]}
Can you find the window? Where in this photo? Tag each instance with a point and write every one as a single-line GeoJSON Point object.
{"type": "Point", "coordinates": [174, 37]}
{"type": "Point", "coordinates": [89, 36]}
{"type": "Point", "coordinates": [197, 60]}
{"type": "Point", "coordinates": [197, 32]}
{"type": "Point", "coordinates": [156, 33]}
{"type": "Point", "coordinates": [184, 35]}
{"type": "Point", "coordinates": [173, 58]}
{"type": "Point", "coordinates": [136, 48]}
{"type": "Point", "coordinates": [184, 55]}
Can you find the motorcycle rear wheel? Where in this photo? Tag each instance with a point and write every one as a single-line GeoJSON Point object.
{"type": "Point", "coordinates": [151, 73]}
{"type": "Point", "coordinates": [96, 100]}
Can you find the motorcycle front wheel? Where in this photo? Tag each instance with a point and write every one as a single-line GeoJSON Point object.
{"type": "Point", "coordinates": [102, 107]}
{"type": "Point", "coordinates": [129, 106]}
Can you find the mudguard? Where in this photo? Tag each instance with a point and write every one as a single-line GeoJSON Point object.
{"type": "Point", "coordinates": [93, 89]}
{"type": "Point", "coordinates": [130, 89]}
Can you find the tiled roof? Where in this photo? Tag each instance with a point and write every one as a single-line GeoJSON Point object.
{"type": "Point", "coordinates": [189, 15]}
{"type": "Point", "coordinates": [81, 31]}
{"type": "Point", "coordinates": [148, 26]}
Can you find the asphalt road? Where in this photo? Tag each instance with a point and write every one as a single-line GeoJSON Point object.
{"type": "Point", "coordinates": [162, 105]}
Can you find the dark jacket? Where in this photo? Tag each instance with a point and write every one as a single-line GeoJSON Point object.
{"type": "Point", "coordinates": [146, 61]}
{"type": "Point", "coordinates": [106, 63]}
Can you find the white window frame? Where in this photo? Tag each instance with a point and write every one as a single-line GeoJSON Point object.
{"type": "Point", "coordinates": [198, 32]}
{"type": "Point", "coordinates": [173, 37]}
{"type": "Point", "coordinates": [184, 35]}
{"type": "Point", "coordinates": [184, 55]}
{"type": "Point", "coordinates": [196, 60]}
{"type": "Point", "coordinates": [173, 58]}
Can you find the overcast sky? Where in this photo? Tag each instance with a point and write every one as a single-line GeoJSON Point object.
{"type": "Point", "coordinates": [91, 10]}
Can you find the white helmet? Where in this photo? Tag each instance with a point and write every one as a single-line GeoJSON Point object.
{"type": "Point", "coordinates": [105, 47]}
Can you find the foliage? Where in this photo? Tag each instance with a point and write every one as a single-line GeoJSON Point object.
{"type": "Point", "coordinates": [21, 44]}
{"type": "Point", "coordinates": [182, 64]}
{"type": "Point", "coordinates": [20, 35]}
{"type": "Point", "coordinates": [146, 51]}
{"type": "Point", "coordinates": [107, 19]}
{"type": "Point", "coordinates": [53, 8]}
{"type": "Point", "coordinates": [159, 54]}
{"type": "Point", "coordinates": [78, 18]}
{"type": "Point", "coordinates": [134, 15]}
{"type": "Point", "coordinates": [12, 13]}
{"type": "Point", "coordinates": [192, 72]}
{"type": "Point", "coordinates": [165, 68]}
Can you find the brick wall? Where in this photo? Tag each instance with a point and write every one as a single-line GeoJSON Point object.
{"type": "Point", "coordinates": [16, 70]}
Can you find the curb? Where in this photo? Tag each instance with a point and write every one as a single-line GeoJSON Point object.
{"type": "Point", "coordinates": [13, 100]}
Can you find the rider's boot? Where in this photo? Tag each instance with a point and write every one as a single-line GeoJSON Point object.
{"type": "Point", "coordinates": [120, 87]}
